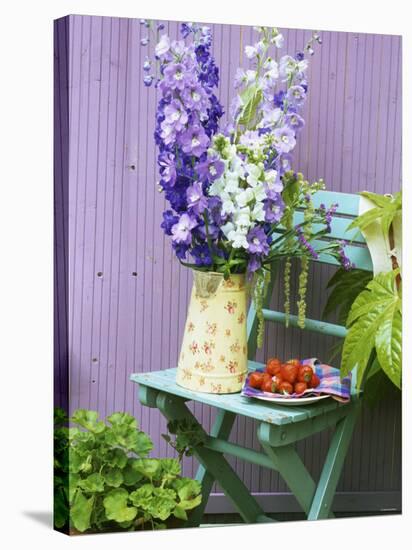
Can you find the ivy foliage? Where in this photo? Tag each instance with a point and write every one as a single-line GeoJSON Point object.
{"type": "Point", "coordinates": [105, 479]}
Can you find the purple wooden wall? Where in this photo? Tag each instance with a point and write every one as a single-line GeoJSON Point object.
{"type": "Point", "coordinates": [120, 297]}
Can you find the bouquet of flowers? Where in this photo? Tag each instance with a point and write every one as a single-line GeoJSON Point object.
{"type": "Point", "coordinates": [230, 189]}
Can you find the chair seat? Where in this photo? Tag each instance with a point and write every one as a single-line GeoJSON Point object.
{"type": "Point", "coordinates": [165, 381]}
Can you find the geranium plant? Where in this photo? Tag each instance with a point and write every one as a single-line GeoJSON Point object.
{"type": "Point", "coordinates": [104, 479]}
{"type": "Point", "coordinates": [230, 190]}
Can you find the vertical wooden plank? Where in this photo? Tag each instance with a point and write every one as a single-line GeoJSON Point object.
{"type": "Point", "coordinates": [134, 323]}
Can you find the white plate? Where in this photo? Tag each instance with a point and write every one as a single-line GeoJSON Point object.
{"type": "Point", "coordinates": [292, 400]}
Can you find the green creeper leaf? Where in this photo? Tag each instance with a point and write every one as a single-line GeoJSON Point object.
{"type": "Point", "coordinates": [115, 504]}
{"type": "Point", "coordinates": [113, 477]}
{"type": "Point", "coordinates": [89, 420]}
{"type": "Point", "coordinates": [81, 511]}
{"type": "Point", "coordinates": [179, 512]}
{"type": "Point", "coordinates": [389, 344]}
{"type": "Point", "coordinates": [94, 483]}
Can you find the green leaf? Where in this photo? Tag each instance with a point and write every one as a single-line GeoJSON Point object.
{"type": "Point", "coordinates": [389, 344]}
{"type": "Point", "coordinates": [122, 419]}
{"type": "Point", "coordinates": [115, 504]}
{"type": "Point", "coordinates": [179, 512]}
{"type": "Point", "coordinates": [131, 476]}
{"type": "Point", "coordinates": [116, 457]}
{"type": "Point", "coordinates": [371, 324]}
{"type": "Point", "coordinates": [170, 468]}
{"type": "Point", "coordinates": [94, 483]}
{"type": "Point", "coordinates": [346, 287]}
{"type": "Point", "coordinates": [162, 504]}
{"type": "Point", "coordinates": [149, 467]}
{"type": "Point", "coordinates": [251, 102]}
{"type": "Point", "coordinates": [60, 509]}
{"type": "Point", "coordinates": [113, 477]}
{"type": "Point", "coordinates": [186, 488]}
{"type": "Point", "coordinates": [89, 420]}
{"type": "Point", "coordinates": [379, 200]}
{"type": "Point", "coordinates": [79, 462]}
{"type": "Point", "coordinates": [81, 511]}
{"type": "Point", "coordinates": [142, 497]}
{"type": "Point", "coordinates": [73, 485]}
{"type": "Point", "coordinates": [143, 444]}
{"type": "Point", "coordinates": [60, 416]}
{"type": "Point", "coordinates": [366, 219]}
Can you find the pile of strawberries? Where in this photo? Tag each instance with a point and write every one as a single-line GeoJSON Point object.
{"type": "Point", "coordinates": [288, 378]}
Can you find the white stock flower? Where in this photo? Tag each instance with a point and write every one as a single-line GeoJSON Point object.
{"type": "Point", "coordinates": [241, 217]}
{"type": "Point", "coordinates": [254, 173]}
{"type": "Point", "coordinates": [278, 40]}
{"type": "Point", "coordinates": [258, 213]}
{"type": "Point", "coordinates": [228, 207]}
{"type": "Point", "coordinates": [250, 52]}
{"type": "Point", "coordinates": [162, 46]}
{"type": "Point", "coordinates": [271, 178]}
{"type": "Point", "coordinates": [245, 196]}
{"type": "Point", "coordinates": [238, 239]}
{"type": "Point", "coordinates": [227, 228]}
{"type": "Point", "coordinates": [259, 192]}
{"type": "Point", "coordinates": [217, 186]}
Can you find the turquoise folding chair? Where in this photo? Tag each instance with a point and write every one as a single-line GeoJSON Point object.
{"type": "Point", "coordinates": [278, 427]}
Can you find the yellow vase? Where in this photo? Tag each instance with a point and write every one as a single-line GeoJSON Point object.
{"type": "Point", "coordinates": [213, 356]}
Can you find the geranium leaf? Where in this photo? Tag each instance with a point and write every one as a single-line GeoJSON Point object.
{"type": "Point", "coordinates": [180, 513]}
{"type": "Point", "coordinates": [130, 475]}
{"type": "Point", "coordinates": [113, 477]}
{"type": "Point", "coordinates": [94, 483]}
{"type": "Point", "coordinates": [80, 511]}
{"type": "Point", "coordinates": [89, 420]}
{"type": "Point", "coordinates": [115, 504]}
{"type": "Point", "coordinates": [147, 466]}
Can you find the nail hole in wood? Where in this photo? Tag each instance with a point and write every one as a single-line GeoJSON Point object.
{"type": "Point", "coordinates": [134, 273]}
{"type": "Point", "coordinates": [94, 360]}
{"type": "Point", "coordinates": [132, 167]}
{"type": "Point", "coordinates": [100, 274]}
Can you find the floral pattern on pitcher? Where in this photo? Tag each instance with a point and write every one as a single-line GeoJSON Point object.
{"type": "Point", "coordinates": [213, 355]}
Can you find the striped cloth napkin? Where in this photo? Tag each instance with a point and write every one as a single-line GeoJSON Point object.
{"type": "Point", "coordinates": [330, 384]}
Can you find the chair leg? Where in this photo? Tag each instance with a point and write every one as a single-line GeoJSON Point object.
{"type": "Point", "coordinates": [288, 463]}
{"type": "Point", "coordinates": [221, 428]}
{"type": "Point", "coordinates": [322, 501]}
{"type": "Point", "coordinates": [173, 408]}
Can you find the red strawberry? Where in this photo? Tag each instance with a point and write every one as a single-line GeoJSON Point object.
{"type": "Point", "coordinates": [305, 374]}
{"type": "Point", "coordinates": [314, 381]}
{"type": "Point", "coordinates": [285, 387]}
{"type": "Point", "coordinates": [289, 372]}
{"type": "Point", "coordinates": [300, 387]}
